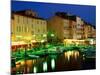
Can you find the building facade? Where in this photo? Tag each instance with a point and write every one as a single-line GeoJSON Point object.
{"type": "Point", "coordinates": [90, 31]}
{"type": "Point", "coordinates": [28, 27]}
{"type": "Point", "coordinates": [66, 26]}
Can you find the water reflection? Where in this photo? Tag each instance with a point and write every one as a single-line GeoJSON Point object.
{"type": "Point", "coordinates": [69, 60]}
{"type": "Point", "coordinates": [35, 69]}
{"type": "Point", "coordinates": [71, 54]}
{"type": "Point", "coordinates": [44, 66]}
{"type": "Point", "coordinates": [53, 64]}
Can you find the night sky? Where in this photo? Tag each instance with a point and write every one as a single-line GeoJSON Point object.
{"type": "Point", "coordinates": [47, 10]}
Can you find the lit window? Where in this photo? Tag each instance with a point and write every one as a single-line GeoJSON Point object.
{"type": "Point", "coordinates": [44, 22]}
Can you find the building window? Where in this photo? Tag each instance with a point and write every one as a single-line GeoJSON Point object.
{"type": "Point", "coordinates": [37, 22]}
{"type": "Point", "coordinates": [38, 30]}
{"type": "Point", "coordinates": [44, 22]}
{"type": "Point", "coordinates": [32, 32]}
{"type": "Point", "coordinates": [33, 26]}
{"type": "Point", "coordinates": [23, 20]}
{"type": "Point", "coordinates": [17, 29]}
{"type": "Point", "coordinates": [27, 20]}
{"type": "Point", "coordinates": [18, 19]}
{"type": "Point", "coordinates": [41, 22]}
{"type": "Point", "coordinates": [44, 30]}
{"type": "Point", "coordinates": [33, 21]}
{"type": "Point", "coordinates": [22, 28]}
{"type": "Point", "coordinates": [25, 29]}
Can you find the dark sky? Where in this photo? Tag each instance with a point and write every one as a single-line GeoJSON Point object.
{"type": "Point", "coordinates": [47, 10]}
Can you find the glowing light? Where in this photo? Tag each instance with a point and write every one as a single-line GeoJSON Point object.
{"type": "Point", "coordinates": [19, 36]}
{"type": "Point", "coordinates": [44, 35]}
{"type": "Point", "coordinates": [17, 66]}
{"type": "Point", "coordinates": [72, 41]}
{"type": "Point", "coordinates": [34, 35]}
{"type": "Point", "coordinates": [91, 41]}
{"type": "Point", "coordinates": [35, 69]}
{"type": "Point", "coordinates": [65, 54]}
{"type": "Point", "coordinates": [83, 58]}
{"type": "Point", "coordinates": [45, 66]}
{"type": "Point", "coordinates": [52, 35]}
{"type": "Point", "coordinates": [76, 55]}
{"type": "Point", "coordinates": [68, 57]}
{"type": "Point", "coordinates": [29, 62]}
{"type": "Point", "coordinates": [22, 63]}
{"type": "Point", "coordinates": [72, 53]}
{"type": "Point", "coordinates": [42, 41]}
{"type": "Point", "coordinates": [18, 43]}
{"type": "Point", "coordinates": [83, 55]}
{"type": "Point", "coordinates": [18, 72]}
{"type": "Point", "coordinates": [28, 38]}
{"type": "Point", "coordinates": [28, 69]}
{"type": "Point", "coordinates": [52, 63]}
{"type": "Point", "coordinates": [68, 54]}
{"type": "Point", "coordinates": [33, 41]}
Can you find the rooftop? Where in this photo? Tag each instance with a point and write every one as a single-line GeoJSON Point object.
{"type": "Point", "coordinates": [27, 13]}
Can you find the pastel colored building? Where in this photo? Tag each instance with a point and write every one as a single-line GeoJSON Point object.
{"type": "Point", "coordinates": [28, 27]}
{"type": "Point", "coordinates": [66, 26]}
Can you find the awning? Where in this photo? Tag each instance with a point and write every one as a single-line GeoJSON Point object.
{"type": "Point", "coordinates": [18, 43]}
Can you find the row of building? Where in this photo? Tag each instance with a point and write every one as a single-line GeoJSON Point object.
{"type": "Point", "coordinates": [27, 26]}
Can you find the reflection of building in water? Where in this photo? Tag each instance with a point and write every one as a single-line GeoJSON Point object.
{"type": "Point", "coordinates": [76, 54]}
{"type": "Point", "coordinates": [35, 69]}
{"type": "Point", "coordinates": [69, 54]}
{"type": "Point", "coordinates": [25, 66]}
{"type": "Point", "coordinates": [45, 67]}
{"type": "Point", "coordinates": [53, 64]}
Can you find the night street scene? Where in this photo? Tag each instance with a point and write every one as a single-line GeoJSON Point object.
{"type": "Point", "coordinates": [52, 37]}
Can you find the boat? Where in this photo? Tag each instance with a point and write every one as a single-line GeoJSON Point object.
{"type": "Point", "coordinates": [33, 56]}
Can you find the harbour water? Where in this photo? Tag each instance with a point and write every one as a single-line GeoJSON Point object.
{"type": "Point", "coordinates": [67, 61]}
